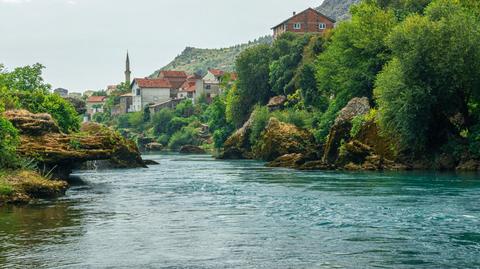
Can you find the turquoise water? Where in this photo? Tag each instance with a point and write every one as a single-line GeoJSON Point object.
{"type": "Point", "coordinates": [195, 212]}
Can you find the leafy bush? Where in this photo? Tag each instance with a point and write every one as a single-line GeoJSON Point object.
{"type": "Point", "coordinates": [260, 115]}
{"type": "Point", "coordinates": [161, 120]}
{"type": "Point", "coordinates": [62, 111]}
{"type": "Point", "coordinates": [186, 136]}
{"type": "Point", "coordinates": [8, 143]}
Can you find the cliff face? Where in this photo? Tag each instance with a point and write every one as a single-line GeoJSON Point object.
{"type": "Point", "coordinates": [42, 141]}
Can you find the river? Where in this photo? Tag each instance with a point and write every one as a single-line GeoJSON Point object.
{"type": "Point", "coordinates": [196, 212]}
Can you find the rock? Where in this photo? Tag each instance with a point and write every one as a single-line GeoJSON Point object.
{"type": "Point", "coordinates": [154, 146]}
{"type": "Point", "coordinates": [32, 124]}
{"type": "Point", "coordinates": [293, 160]}
{"type": "Point", "coordinates": [276, 103]}
{"type": "Point", "coordinates": [151, 162]}
{"type": "Point", "coordinates": [355, 107]}
{"type": "Point", "coordinates": [280, 138]}
{"type": "Point", "coordinates": [340, 130]}
{"type": "Point", "coordinates": [469, 166]}
{"type": "Point", "coordinates": [237, 146]}
{"type": "Point", "coordinates": [316, 165]}
{"type": "Point", "coordinates": [354, 152]}
{"type": "Point", "coordinates": [369, 134]}
{"type": "Point", "coordinates": [41, 140]}
{"type": "Point", "coordinates": [190, 149]}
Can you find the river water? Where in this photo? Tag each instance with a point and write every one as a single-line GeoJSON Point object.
{"type": "Point", "coordinates": [195, 212]}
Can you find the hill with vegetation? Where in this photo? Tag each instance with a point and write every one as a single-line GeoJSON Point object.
{"type": "Point", "coordinates": [196, 60]}
{"type": "Point", "coordinates": [337, 9]}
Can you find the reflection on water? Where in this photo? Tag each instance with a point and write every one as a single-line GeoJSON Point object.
{"type": "Point", "coordinates": [194, 212]}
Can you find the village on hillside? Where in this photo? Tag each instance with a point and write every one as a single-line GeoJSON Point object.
{"type": "Point", "coordinates": [169, 87]}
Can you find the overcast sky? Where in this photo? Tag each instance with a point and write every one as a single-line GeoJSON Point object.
{"type": "Point", "coordinates": [83, 42]}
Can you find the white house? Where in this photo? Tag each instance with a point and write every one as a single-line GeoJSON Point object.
{"type": "Point", "coordinates": [147, 91]}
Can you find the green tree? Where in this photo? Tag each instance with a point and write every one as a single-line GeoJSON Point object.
{"type": "Point", "coordinates": [434, 76]}
{"type": "Point", "coordinates": [253, 67]}
{"type": "Point", "coordinates": [355, 55]}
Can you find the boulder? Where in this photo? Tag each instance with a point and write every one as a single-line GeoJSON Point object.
{"type": "Point", "coordinates": [469, 166]}
{"type": "Point", "coordinates": [369, 134]}
{"type": "Point", "coordinates": [276, 103]}
{"type": "Point", "coordinates": [154, 146]}
{"type": "Point", "coordinates": [151, 162]}
{"type": "Point", "coordinates": [190, 149]}
{"type": "Point", "coordinates": [281, 138]}
{"type": "Point", "coordinates": [293, 160]}
{"type": "Point", "coordinates": [340, 130]}
{"type": "Point", "coordinates": [32, 124]}
{"type": "Point", "coordinates": [237, 146]}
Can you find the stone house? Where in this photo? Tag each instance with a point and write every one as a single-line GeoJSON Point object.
{"type": "Point", "coordinates": [147, 91]}
{"type": "Point", "coordinates": [176, 78]}
{"type": "Point", "coordinates": [307, 21]}
{"type": "Point", "coordinates": [95, 104]}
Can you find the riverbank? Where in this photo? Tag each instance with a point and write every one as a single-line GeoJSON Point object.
{"type": "Point", "coordinates": [22, 186]}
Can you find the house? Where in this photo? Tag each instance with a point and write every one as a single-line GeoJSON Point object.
{"type": "Point", "coordinates": [61, 91]}
{"type": "Point", "coordinates": [95, 104]}
{"type": "Point", "coordinates": [123, 106]}
{"type": "Point", "coordinates": [210, 85]}
{"type": "Point", "coordinates": [176, 78]}
{"type": "Point", "coordinates": [146, 91]}
{"type": "Point", "coordinates": [307, 21]}
{"type": "Point", "coordinates": [189, 88]}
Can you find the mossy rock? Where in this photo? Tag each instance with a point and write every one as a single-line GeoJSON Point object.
{"type": "Point", "coordinates": [281, 138]}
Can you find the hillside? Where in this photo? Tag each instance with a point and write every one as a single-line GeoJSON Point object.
{"type": "Point", "coordinates": [337, 9]}
{"type": "Point", "coordinates": [199, 60]}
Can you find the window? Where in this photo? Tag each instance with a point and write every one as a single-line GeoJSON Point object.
{"type": "Point", "coordinates": [297, 26]}
{"type": "Point", "coordinates": [322, 26]}
{"type": "Point", "coordinates": [208, 86]}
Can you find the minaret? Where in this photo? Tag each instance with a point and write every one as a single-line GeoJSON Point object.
{"type": "Point", "coordinates": [127, 71]}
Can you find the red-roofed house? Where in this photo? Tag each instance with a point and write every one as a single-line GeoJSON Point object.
{"type": "Point", "coordinates": [147, 91]}
{"type": "Point", "coordinates": [210, 84]}
{"type": "Point", "coordinates": [95, 104]}
{"type": "Point", "coordinates": [176, 78]}
{"type": "Point", "coordinates": [307, 21]}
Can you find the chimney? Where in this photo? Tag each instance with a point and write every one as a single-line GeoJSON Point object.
{"type": "Point", "coordinates": [294, 13]}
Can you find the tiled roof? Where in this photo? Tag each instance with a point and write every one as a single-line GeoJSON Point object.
{"type": "Point", "coordinates": [301, 13]}
{"type": "Point", "coordinates": [153, 83]}
{"type": "Point", "coordinates": [96, 99]}
{"type": "Point", "coordinates": [189, 86]}
{"type": "Point", "coordinates": [216, 72]}
{"type": "Point", "coordinates": [172, 74]}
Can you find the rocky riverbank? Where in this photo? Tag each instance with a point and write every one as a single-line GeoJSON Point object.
{"type": "Point", "coordinates": [57, 154]}
{"type": "Point", "coordinates": [354, 143]}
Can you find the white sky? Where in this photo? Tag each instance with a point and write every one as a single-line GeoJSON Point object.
{"type": "Point", "coordinates": [83, 42]}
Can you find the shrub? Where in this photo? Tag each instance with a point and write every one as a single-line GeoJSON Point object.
{"type": "Point", "coordinates": [161, 120]}
{"type": "Point", "coordinates": [260, 118]}
{"type": "Point", "coordinates": [8, 143]}
{"type": "Point", "coordinates": [62, 111]}
{"type": "Point", "coordinates": [186, 136]}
